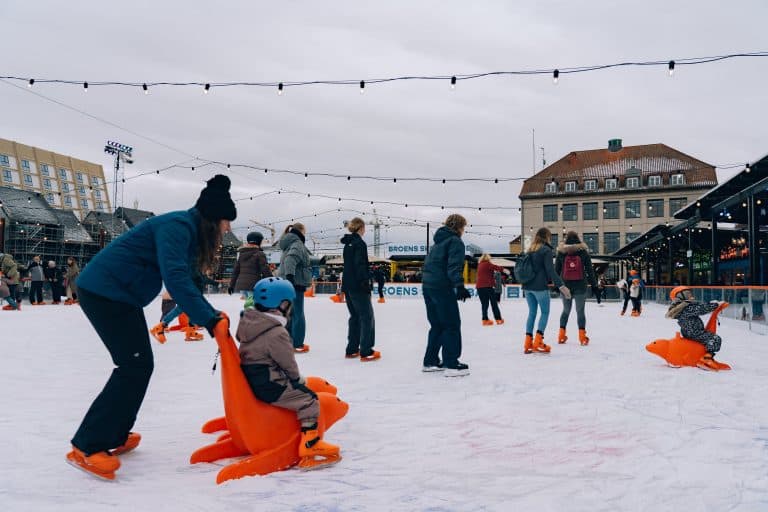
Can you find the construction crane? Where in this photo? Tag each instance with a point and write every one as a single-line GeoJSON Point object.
{"type": "Point", "coordinates": [376, 234]}
{"type": "Point", "coordinates": [266, 226]}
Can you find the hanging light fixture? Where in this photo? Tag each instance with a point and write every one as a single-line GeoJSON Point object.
{"type": "Point", "coordinates": [671, 67]}
{"type": "Point", "coordinates": [555, 76]}
{"type": "Point", "coordinates": [453, 83]}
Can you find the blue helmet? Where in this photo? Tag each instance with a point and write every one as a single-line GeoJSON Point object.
{"type": "Point", "coordinates": [271, 291]}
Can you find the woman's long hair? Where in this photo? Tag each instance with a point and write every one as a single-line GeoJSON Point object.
{"type": "Point", "coordinates": [543, 236]}
{"type": "Point", "coordinates": [208, 242]}
{"type": "Point", "coordinates": [485, 257]}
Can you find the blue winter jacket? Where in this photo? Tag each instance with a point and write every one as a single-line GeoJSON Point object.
{"type": "Point", "coordinates": [444, 265]}
{"type": "Point", "coordinates": [133, 268]}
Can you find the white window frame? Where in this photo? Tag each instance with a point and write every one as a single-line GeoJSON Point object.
{"type": "Point", "coordinates": [81, 189]}
{"type": "Point", "coordinates": [570, 186]}
{"type": "Point", "coordinates": [84, 203]}
{"type": "Point", "coordinates": [28, 180]}
{"type": "Point", "coordinates": [94, 180]}
{"type": "Point", "coordinates": [68, 200]}
{"type": "Point", "coordinates": [611, 184]}
{"type": "Point", "coordinates": [26, 167]}
{"type": "Point", "coordinates": [7, 176]}
{"type": "Point", "coordinates": [654, 181]}
{"type": "Point", "coordinates": [590, 185]}
{"type": "Point", "coordinates": [99, 205]}
{"type": "Point", "coordinates": [677, 179]}
{"type": "Point", "coordinates": [63, 174]}
{"type": "Point", "coordinates": [44, 170]}
{"type": "Point", "coordinates": [550, 188]}
{"type": "Point", "coordinates": [65, 187]}
{"type": "Point", "coordinates": [97, 194]}
{"type": "Point", "coordinates": [5, 160]}
{"type": "Point", "coordinates": [79, 176]}
{"type": "Point", "coordinates": [632, 182]}
{"type": "Point", "coordinates": [47, 184]}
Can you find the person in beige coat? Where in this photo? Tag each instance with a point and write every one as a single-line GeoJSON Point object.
{"type": "Point", "coordinates": [268, 361]}
{"type": "Point", "coordinates": [70, 276]}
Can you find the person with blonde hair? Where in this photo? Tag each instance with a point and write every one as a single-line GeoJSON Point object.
{"type": "Point", "coordinates": [485, 286]}
{"type": "Point", "coordinates": [443, 286]}
{"type": "Point", "coordinates": [361, 336]}
{"type": "Point", "coordinates": [537, 290]}
{"type": "Point", "coordinates": [295, 267]}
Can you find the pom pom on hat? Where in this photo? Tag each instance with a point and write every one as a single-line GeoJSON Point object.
{"type": "Point", "coordinates": [215, 202]}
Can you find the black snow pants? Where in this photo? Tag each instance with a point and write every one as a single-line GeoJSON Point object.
{"type": "Point", "coordinates": [123, 330]}
{"type": "Point", "coordinates": [488, 296]}
{"type": "Point", "coordinates": [361, 336]}
{"type": "Point", "coordinates": [445, 327]}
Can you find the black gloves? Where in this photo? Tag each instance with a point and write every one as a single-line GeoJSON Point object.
{"type": "Point", "coordinates": [462, 293]}
{"type": "Point", "coordinates": [211, 325]}
{"type": "Point", "coordinates": [291, 278]}
{"type": "Point", "coordinates": [230, 290]}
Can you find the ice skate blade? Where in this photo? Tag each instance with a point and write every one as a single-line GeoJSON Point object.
{"type": "Point", "coordinates": [432, 369]}
{"type": "Point", "coordinates": [105, 477]}
{"type": "Point", "coordinates": [310, 464]}
{"type": "Point", "coordinates": [451, 372]}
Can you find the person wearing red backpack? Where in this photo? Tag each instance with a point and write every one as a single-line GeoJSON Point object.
{"type": "Point", "coordinates": [574, 265]}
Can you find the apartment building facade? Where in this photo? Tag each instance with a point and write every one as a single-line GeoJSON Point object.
{"type": "Point", "coordinates": [611, 196]}
{"type": "Point", "coordinates": [63, 181]}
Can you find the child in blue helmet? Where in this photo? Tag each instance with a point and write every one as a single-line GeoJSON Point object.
{"type": "Point", "coordinates": [269, 364]}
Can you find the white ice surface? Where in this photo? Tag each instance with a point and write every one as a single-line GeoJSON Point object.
{"type": "Point", "coordinates": [607, 427]}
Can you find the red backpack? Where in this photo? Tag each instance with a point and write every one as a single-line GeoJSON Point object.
{"type": "Point", "coordinates": [573, 268]}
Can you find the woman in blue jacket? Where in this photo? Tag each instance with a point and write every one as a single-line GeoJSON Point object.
{"type": "Point", "coordinates": [113, 289]}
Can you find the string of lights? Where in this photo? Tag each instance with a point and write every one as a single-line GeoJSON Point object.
{"type": "Point", "coordinates": [280, 86]}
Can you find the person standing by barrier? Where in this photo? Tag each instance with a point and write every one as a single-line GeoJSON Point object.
{"type": "Point", "coordinates": [10, 270]}
{"type": "Point", "coordinates": [295, 267]}
{"type": "Point", "coordinates": [70, 277]}
{"type": "Point", "coordinates": [381, 279]}
{"type": "Point", "coordinates": [251, 266]}
{"type": "Point", "coordinates": [53, 277]}
{"type": "Point", "coordinates": [361, 334]}
{"type": "Point", "coordinates": [443, 286]}
{"type": "Point", "coordinates": [574, 265]}
{"type": "Point", "coordinates": [37, 278]}
{"type": "Point", "coordinates": [115, 287]}
{"type": "Point", "coordinates": [485, 287]}
{"type": "Point", "coordinates": [536, 289]}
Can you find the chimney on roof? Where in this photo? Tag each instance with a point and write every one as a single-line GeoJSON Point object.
{"type": "Point", "coordinates": [614, 145]}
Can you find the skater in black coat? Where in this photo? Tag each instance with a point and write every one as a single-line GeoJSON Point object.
{"type": "Point", "coordinates": [443, 286]}
{"type": "Point", "coordinates": [361, 336]}
{"type": "Point", "coordinates": [53, 278]}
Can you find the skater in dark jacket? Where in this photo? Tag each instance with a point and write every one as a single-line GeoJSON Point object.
{"type": "Point", "coordinates": [443, 286]}
{"type": "Point", "coordinates": [380, 277]}
{"type": "Point", "coordinates": [113, 289]}
{"type": "Point", "coordinates": [295, 267]}
{"type": "Point", "coordinates": [37, 278]}
{"type": "Point", "coordinates": [686, 310]}
{"type": "Point", "coordinates": [574, 265]}
{"type": "Point", "coordinates": [251, 266]}
{"type": "Point", "coordinates": [361, 336]}
{"type": "Point", "coordinates": [53, 278]}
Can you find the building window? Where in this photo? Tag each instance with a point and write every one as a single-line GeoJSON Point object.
{"type": "Point", "coordinates": [28, 179]}
{"type": "Point", "coordinates": [655, 208]}
{"type": "Point", "coordinates": [589, 211]}
{"type": "Point", "coordinates": [610, 243]}
{"type": "Point", "coordinates": [84, 203]}
{"type": "Point", "coordinates": [65, 187]}
{"type": "Point", "coordinates": [49, 198]}
{"type": "Point", "coordinates": [68, 200]}
{"type": "Point", "coordinates": [81, 189]}
{"type": "Point", "coordinates": [632, 209]}
{"type": "Point", "coordinates": [633, 182]}
{"type": "Point", "coordinates": [570, 186]}
{"type": "Point", "coordinates": [63, 174]}
{"type": "Point", "coordinates": [570, 212]}
{"type": "Point", "coordinates": [590, 239]}
{"type": "Point", "coordinates": [7, 176]}
{"type": "Point", "coordinates": [79, 177]}
{"type": "Point", "coordinates": [44, 170]}
{"type": "Point", "coordinates": [611, 210]}
{"type": "Point", "coordinates": [590, 185]}
{"type": "Point", "coordinates": [550, 188]}
{"type": "Point", "coordinates": [550, 213]}
{"type": "Point", "coordinates": [47, 183]}
{"type": "Point", "coordinates": [97, 193]}
{"type": "Point", "coordinates": [631, 236]}
{"type": "Point", "coordinates": [654, 181]}
{"type": "Point", "coordinates": [25, 165]}
{"type": "Point", "coordinates": [554, 239]}
{"type": "Point", "coordinates": [677, 179]}
{"type": "Point", "coordinates": [677, 203]}
{"type": "Point", "coordinates": [99, 205]}
{"type": "Point", "coordinates": [611, 184]}
{"type": "Point", "coordinates": [94, 180]}
{"type": "Point", "coordinates": [4, 160]}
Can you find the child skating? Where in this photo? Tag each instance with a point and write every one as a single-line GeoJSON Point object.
{"type": "Point", "coordinates": [636, 297]}
{"type": "Point", "coordinates": [269, 363]}
{"type": "Point", "coordinates": [686, 310]}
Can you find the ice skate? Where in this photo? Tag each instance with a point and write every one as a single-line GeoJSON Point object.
{"type": "Point", "coordinates": [561, 337]}
{"type": "Point", "coordinates": [353, 355]}
{"type": "Point", "coordinates": [460, 370]}
{"type": "Point", "coordinates": [101, 465]}
{"type": "Point", "coordinates": [528, 346]}
{"type": "Point", "coordinates": [428, 368]}
{"type": "Point", "coordinates": [131, 443]}
{"type": "Point", "coordinates": [487, 322]}
{"type": "Point", "coordinates": [301, 349]}
{"type": "Point", "coordinates": [583, 339]}
{"type": "Point", "coordinates": [381, 300]}
{"type": "Point", "coordinates": [500, 321]}
{"type": "Point", "coordinates": [316, 453]}
{"type": "Point", "coordinates": [158, 332]}
{"type": "Point", "coordinates": [373, 356]}
{"type": "Point", "coordinates": [192, 334]}
{"type": "Point", "coordinates": [538, 344]}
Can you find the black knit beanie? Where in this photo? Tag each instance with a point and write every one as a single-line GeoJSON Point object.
{"type": "Point", "coordinates": [214, 202]}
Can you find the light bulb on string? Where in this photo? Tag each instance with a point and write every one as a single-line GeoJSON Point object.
{"type": "Point", "coordinates": [146, 89]}
{"type": "Point", "coordinates": [280, 89]}
{"type": "Point", "coordinates": [555, 76]}
{"type": "Point", "coordinates": [671, 67]}
{"type": "Point", "coordinates": [306, 175]}
{"type": "Point", "coordinates": [31, 83]}
{"type": "Point", "coordinates": [85, 86]}
{"type": "Point", "coordinates": [362, 86]}
{"type": "Point", "coordinates": [453, 83]}
{"type": "Point", "coordinates": [747, 168]}
{"type": "Point", "coordinates": [193, 168]}
{"type": "Point", "coordinates": [206, 88]}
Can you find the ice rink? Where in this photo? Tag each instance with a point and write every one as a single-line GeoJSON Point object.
{"type": "Point", "coordinates": [600, 428]}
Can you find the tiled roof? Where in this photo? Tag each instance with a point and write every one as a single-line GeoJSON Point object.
{"type": "Point", "coordinates": [115, 226]}
{"type": "Point", "coordinates": [230, 240]}
{"type": "Point", "coordinates": [643, 161]}
{"type": "Point", "coordinates": [132, 216]}
{"type": "Point", "coordinates": [26, 207]}
{"type": "Point", "coordinates": [74, 232]}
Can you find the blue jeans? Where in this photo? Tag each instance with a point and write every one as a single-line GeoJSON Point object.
{"type": "Point", "coordinates": [536, 299]}
{"type": "Point", "coordinates": [297, 325]}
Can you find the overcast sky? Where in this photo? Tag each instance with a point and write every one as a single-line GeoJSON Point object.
{"type": "Point", "coordinates": [713, 112]}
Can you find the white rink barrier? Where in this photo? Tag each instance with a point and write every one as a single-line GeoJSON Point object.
{"type": "Point", "coordinates": [413, 291]}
